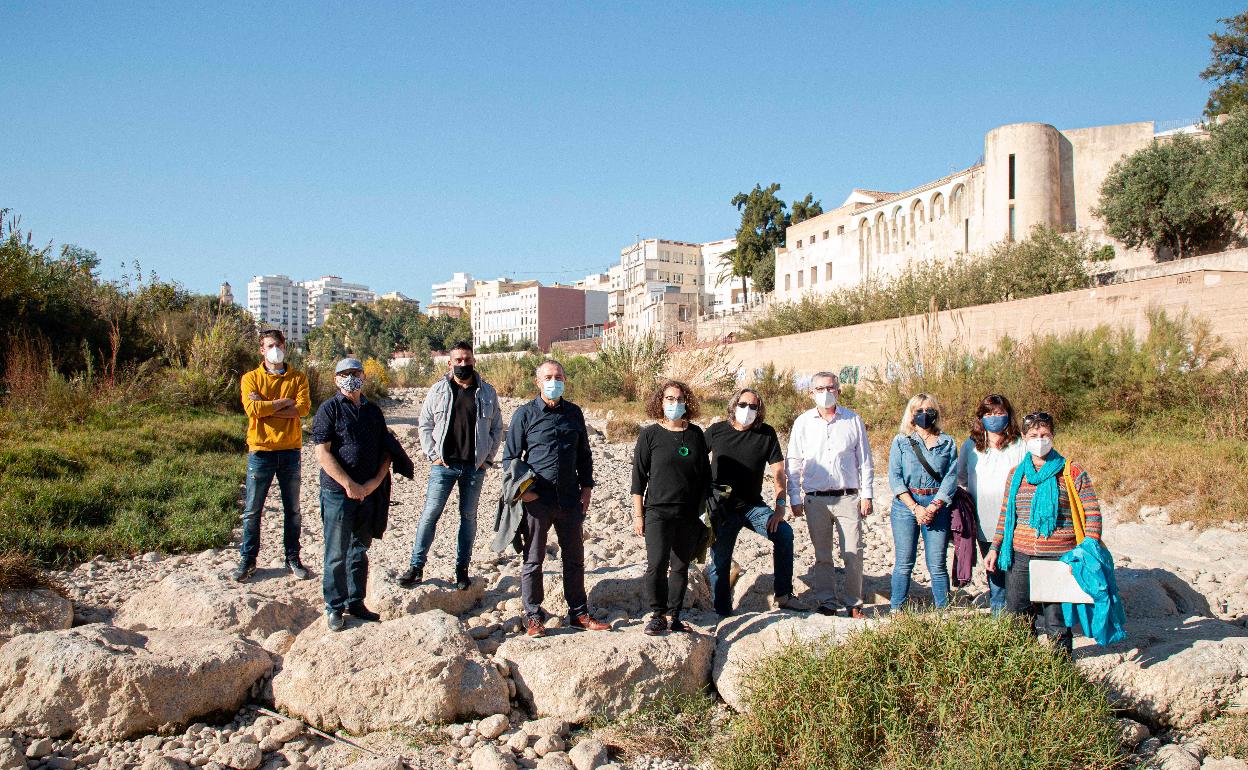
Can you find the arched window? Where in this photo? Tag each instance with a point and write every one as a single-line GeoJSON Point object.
{"type": "Point", "coordinates": [917, 220]}
{"type": "Point", "coordinates": [896, 223]}
{"type": "Point", "coordinates": [881, 234]}
{"type": "Point", "coordinates": [864, 238]}
{"type": "Point", "coordinates": [937, 207]}
{"type": "Point", "coordinates": [957, 203]}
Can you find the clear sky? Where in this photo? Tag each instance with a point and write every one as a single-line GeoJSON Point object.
{"type": "Point", "coordinates": [392, 143]}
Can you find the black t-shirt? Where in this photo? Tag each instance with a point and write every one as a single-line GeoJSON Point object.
{"type": "Point", "coordinates": [461, 434]}
{"type": "Point", "coordinates": [671, 468]}
{"type": "Point", "coordinates": [740, 457]}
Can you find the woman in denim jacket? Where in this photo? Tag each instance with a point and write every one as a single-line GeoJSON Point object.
{"type": "Point", "coordinates": [920, 500]}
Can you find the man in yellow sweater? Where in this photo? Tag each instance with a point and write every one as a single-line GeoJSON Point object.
{"type": "Point", "coordinates": [275, 398]}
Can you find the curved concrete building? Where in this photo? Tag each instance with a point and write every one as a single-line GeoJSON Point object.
{"type": "Point", "coordinates": [1022, 180]}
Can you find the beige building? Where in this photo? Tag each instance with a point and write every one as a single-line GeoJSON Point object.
{"type": "Point", "coordinates": [662, 288]}
{"type": "Point", "coordinates": [330, 290]}
{"type": "Point", "coordinates": [452, 292]}
{"type": "Point", "coordinates": [723, 293]}
{"type": "Point", "coordinates": [1031, 174]}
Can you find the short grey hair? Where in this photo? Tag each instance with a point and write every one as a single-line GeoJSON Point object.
{"type": "Point", "coordinates": [818, 375]}
{"type": "Point", "coordinates": [537, 372]}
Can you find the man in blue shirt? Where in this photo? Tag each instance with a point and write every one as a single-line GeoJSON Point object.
{"type": "Point", "coordinates": [549, 434]}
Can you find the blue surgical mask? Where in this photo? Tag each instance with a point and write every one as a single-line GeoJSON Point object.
{"type": "Point", "coordinates": [995, 423]}
{"type": "Point", "coordinates": [673, 411]}
{"type": "Point", "coordinates": [552, 389]}
{"type": "Point", "coordinates": [925, 418]}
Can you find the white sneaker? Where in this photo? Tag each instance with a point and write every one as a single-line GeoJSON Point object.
{"type": "Point", "coordinates": [789, 602]}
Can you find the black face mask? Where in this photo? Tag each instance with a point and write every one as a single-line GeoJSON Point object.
{"type": "Point", "coordinates": [463, 371]}
{"type": "Point", "coordinates": [925, 418]}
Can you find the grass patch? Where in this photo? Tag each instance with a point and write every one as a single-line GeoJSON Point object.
{"type": "Point", "coordinates": [1227, 736]}
{"type": "Point", "coordinates": [674, 726]}
{"type": "Point", "coordinates": [19, 572]}
{"type": "Point", "coordinates": [119, 483]}
{"type": "Point", "coordinates": [923, 691]}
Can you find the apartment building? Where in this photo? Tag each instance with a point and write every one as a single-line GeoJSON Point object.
{"type": "Point", "coordinates": [663, 282]}
{"type": "Point", "coordinates": [330, 290]}
{"type": "Point", "coordinates": [275, 301]}
{"type": "Point", "coordinates": [529, 312]}
{"type": "Point", "coordinates": [454, 291]}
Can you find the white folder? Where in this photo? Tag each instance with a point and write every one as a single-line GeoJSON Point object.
{"type": "Point", "coordinates": [1052, 581]}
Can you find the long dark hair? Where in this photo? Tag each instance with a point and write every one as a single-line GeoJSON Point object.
{"type": "Point", "coordinates": [990, 402]}
{"type": "Point", "coordinates": [654, 405]}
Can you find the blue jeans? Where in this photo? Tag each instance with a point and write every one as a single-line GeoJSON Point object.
{"type": "Point", "coordinates": [726, 531]}
{"type": "Point", "coordinates": [906, 545]}
{"type": "Point", "coordinates": [996, 582]}
{"type": "Point", "coordinates": [442, 479]}
{"type": "Point", "coordinates": [261, 468]}
{"type": "Point", "coordinates": [344, 577]}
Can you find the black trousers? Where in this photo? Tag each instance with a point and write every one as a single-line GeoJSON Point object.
{"type": "Point", "coordinates": [1018, 601]}
{"type": "Point", "coordinates": [569, 526]}
{"type": "Point", "coordinates": [672, 537]}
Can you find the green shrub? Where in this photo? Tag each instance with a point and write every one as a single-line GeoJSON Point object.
{"type": "Point", "coordinates": [784, 401]}
{"type": "Point", "coordinates": [511, 375]}
{"type": "Point", "coordinates": [1228, 736]}
{"type": "Point", "coordinates": [928, 692]}
{"type": "Point", "coordinates": [620, 431]}
{"type": "Point", "coordinates": [629, 367]}
{"type": "Point", "coordinates": [675, 726]}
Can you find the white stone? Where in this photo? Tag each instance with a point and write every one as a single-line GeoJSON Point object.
{"type": "Point", "coordinates": [589, 754]}
{"type": "Point", "coordinates": [1174, 757]}
{"type": "Point", "coordinates": [209, 600]}
{"type": "Point", "coordinates": [619, 588]}
{"type": "Point", "coordinates": [490, 757]}
{"type": "Point", "coordinates": [240, 756]}
{"type": "Point", "coordinates": [493, 726]}
{"type": "Point", "coordinates": [556, 760]}
{"type": "Point", "coordinates": [390, 600]}
{"type": "Point", "coordinates": [32, 610]}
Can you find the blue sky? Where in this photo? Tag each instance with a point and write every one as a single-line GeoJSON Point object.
{"type": "Point", "coordinates": [391, 143]}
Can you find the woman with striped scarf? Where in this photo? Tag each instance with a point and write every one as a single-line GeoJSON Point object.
{"type": "Point", "coordinates": [1036, 522]}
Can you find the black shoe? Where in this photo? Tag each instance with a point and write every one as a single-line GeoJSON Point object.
{"type": "Point", "coordinates": [334, 620]}
{"type": "Point", "coordinates": [678, 626]}
{"type": "Point", "coordinates": [655, 626]}
{"type": "Point", "coordinates": [411, 576]}
{"type": "Point", "coordinates": [462, 581]}
{"type": "Point", "coordinates": [829, 611]}
{"type": "Point", "coordinates": [358, 610]}
{"type": "Point", "coordinates": [245, 569]}
{"type": "Point", "coordinates": [296, 568]}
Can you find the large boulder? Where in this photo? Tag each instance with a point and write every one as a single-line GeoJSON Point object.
{"type": "Point", "coordinates": [578, 675]}
{"type": "Point", "coordinates": [374, 676]}
{"type": "Point", "coordinates": [32, 610]}
{"type": "Point", "coordinates": [390, 600]}
{"type": "Point", "coordinates": [1173, 675]}
{"type": "Point", "coordinates": [1158, 593]}
{"type": "Point", "coordinates": [742, 640]}
{"type": "Point", "coordinates": [100, 682]}
{"type": "Point", "coordinates": [620, 588]}
{"type": "Point", "coordinates": [208, 600]}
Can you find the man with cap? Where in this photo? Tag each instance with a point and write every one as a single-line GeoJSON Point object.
{"type": "Point", "coordinates": [349, 433]}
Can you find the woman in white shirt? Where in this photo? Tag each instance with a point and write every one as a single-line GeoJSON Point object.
{"type": "Point", "coordinates": [987, 460]}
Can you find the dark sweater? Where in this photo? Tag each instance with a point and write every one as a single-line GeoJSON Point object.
{"type": "Point", "coordinates": [671, 469]}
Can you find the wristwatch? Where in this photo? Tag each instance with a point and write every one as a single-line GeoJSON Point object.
{"type": "Point", "coordinates": [780, 501]}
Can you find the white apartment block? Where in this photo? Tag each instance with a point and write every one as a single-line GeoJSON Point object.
{"type": "Point", "coordinates": [663, 282]}
{"type": "Point", "coordinates": [330, 290]}
{"type": "Point", "coordinates": [723, 292]}
{"type": "Point", "coordinates": [452, 292]}
{"type": "Point", "coordinates": [278, 302]}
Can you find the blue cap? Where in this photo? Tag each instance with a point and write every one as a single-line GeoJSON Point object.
{"type": "Point", "coordinates": [348, 363]}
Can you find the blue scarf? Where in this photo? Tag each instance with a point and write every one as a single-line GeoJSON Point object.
{"type": "Point", "coordinates": [1043, 503]}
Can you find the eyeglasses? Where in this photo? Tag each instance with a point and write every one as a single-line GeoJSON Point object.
{"type": "Point", "coordinates": [827, 389]}
{"type": "Point", "coordinates": [674, 399]}
{"type": "Point", "coordinates": [748, 405]}
{"type": "Point", "coordinates": [1043, 417]}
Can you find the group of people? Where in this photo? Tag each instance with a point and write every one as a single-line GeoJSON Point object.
{"type": "Point", "coordinates": [693, 490]}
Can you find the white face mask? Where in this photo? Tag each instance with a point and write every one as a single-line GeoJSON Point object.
{"type": "Point", "coordinates": [745, 415]}
{"type": "Point", "coordinates": [275, 355]}
{"type": "Point", "coordinates": [825, 400]}
{"type": "Point", "coordinates": [1040, 447]}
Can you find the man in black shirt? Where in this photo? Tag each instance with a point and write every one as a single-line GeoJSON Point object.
{"type": "Point", "coordinates": [349, 433]}
{"type": "Point", "coordinates": [742, 448]}
{"type": "Point", "coordinates": [461, 428]}
{"type": "Point", "coordinates": [549, 434]}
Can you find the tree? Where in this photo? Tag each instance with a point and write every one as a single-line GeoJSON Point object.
{"type": "Point", "coordinates": [1228, 66]}
{"type": "Point", "coordinates": [762, 229]}
{"type": "Point", "coordinates": [1161, 196]}
{"type": "Point", "coordinates": [806, 208]}
{"type": "Point", "coordinates": [1228, 155]}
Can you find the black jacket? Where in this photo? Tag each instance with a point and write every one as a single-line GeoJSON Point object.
{"type": "Point", "coordinates": [374, 522]}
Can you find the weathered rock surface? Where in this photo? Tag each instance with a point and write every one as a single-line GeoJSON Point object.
{"type": "Point", "coordinates": [1173, 674]}
{"type": "Point", "coordinates": [32, 610]}
{"type": "Point", "coordinates": [490, 757]}
{"type": "Point", "coordinates": [1224, 763]}
{"type": "Point", "coordinates": [620, 588]}
{"type": "Point", "coordinates": [577, 675]}
{"type": "Point", "coordinates": [208, 600]}
{"type": "Point", "coordinates": [240, 756]}
{"type": "Point", "coordinates": [373, 676]}
{"type": "Point", "coordinates": [107, 683]}
{"type": "Point", "coordinates": [11, 757]}
{"type": "Point", "coordinates": [742, 639]}
{"type": "Point", "coordinates": [390, 600]}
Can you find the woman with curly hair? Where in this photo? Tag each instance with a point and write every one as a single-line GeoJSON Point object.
{"type": "Point", "coordinates": [671, 477]}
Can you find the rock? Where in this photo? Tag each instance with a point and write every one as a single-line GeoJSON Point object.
{"type": "Point", "coordinates": [589, 754]}
{"type": "Point", "coordinates": [39, 748]}
{"type": "Point", "coordinates": [555, 761]}
{"type": "Point", "coordinates": [373, 676]}
{"type": "Point", "coordinates": [545, 726]}
{"type": "Point", "coordinates": [240, 756]}
{"type": "Point", "coordinates": [1174, 757]}
{"type": "Point", "coordinates": [518, 742]}
{"type": "Point", "coordinates": [32, 610]}
{"type": "Point", "coordinates": [100, 682]}
{"type": "Point", "coordinates": [490, 757]}
{"type": "Point", "coordinates": [59, 763]}
{"type": "Point", "coordinates": [279, 642]}
{"type": "Point", "coordinates": [209, 600]}
{"type": "Point", "coordinates": [493, 726]}
{"type": "Point", "coordinates": [158, 762]}
{"type": "Point", "coordinates": [390, 600]}
{"type": "Point", "coordinates": [377, 763]}
{"type": "Point", "coordinates": [548, 744]}
{"type": "Point", "coordinates": [619, 588]}
{"type": "Point", "coordinates": [742, 639]}
{"type": "Point", "coordinates": [10, 756]}
{"type": "Point", "coordinates": [578, 675]}
{"type": "Point", "coordinates": [1132, 733]}
{"type": "Point", "coordinates": [286, 730]}
{"type": "Point", "coordinates": [1174, 675]}
{"type": "Point", "coordinates": [1225, 763]}
{"type": "Point", "coordinates": [1158, 593]}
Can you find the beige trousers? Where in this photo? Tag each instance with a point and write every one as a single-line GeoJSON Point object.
{"type": "Point", "coordinates": [836, 517]}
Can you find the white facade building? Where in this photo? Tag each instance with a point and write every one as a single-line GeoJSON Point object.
{"type": "Point", "coordinates": [452, 292]}
{"type": "Point", "coordinates": [278, 302]}
{"type": "Point", "coordinates": [662, 286]}
{"type": "Point", "coordinates": [330, 290]}
{"type": "Point", "coordinates": [723, 292]}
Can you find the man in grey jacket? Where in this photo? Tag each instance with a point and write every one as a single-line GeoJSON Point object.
{"type": "Point", "coordinates": [461, 428]}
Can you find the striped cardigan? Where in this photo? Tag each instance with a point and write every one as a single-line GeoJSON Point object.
{"type": "Point", "coordinates": [1026, 540]}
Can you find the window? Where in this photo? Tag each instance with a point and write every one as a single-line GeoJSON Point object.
{"type": "Point", "coordinates": [825, 232]}
{"type": "Point", "coordinates": [814, 276]}
{"type": "Point", "coordinates": [800, 275]}
{"type": "Point", "coordinates": [1011, 185]}
{"type": "Point", "coordinates": [786, 282]}
{"type": "Point", "coordinates": [799, 243]}
{"type": "Point", "coordinates": [1012, 224]}
{"type": "Point", "coordinates": [812, 237]}
{"type": "Point", "coordinates": [827, 272]}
